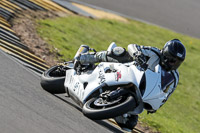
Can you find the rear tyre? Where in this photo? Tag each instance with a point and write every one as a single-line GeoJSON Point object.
{"type": "Point", "coordinates": [53, 81]}
{"type": "Point", "coordinates": [119, 107]}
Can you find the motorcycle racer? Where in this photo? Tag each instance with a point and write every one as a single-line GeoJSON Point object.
{"type": "Point", "coordinates": [170, 58]}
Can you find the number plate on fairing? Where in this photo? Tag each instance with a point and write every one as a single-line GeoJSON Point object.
{"type": "Point", "coordinates": [73, 85]}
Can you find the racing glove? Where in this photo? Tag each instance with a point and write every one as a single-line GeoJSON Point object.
{"type": "Point", "coordinates": [140, 58]}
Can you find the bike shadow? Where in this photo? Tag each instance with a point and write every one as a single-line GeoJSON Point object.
{"type": "Point", "coordinates": [107, 125]}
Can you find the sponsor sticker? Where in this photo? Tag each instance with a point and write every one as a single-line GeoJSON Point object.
{"type": "Point", "coordinates": [101, 77]}
{"type": "Point", "coordinates": [118, 76]}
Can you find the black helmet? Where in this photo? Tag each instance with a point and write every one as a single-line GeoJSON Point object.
{"type": "Point", "coordinates": [173, 54]}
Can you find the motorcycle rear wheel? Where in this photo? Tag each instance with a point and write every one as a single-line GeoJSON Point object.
{"type": "Point", "coordinates": [51, 82]}
{"type": "Point", "coordinates": [97, 113]}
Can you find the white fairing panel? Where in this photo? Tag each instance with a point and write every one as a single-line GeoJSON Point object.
{"type": "Point", "coordinates": [154, 94]}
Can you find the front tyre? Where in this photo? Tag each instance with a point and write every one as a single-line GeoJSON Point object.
{"type": "Point", "coordinates": [97, 109]}
{"type": "Point", "coordinates": [52, 80]}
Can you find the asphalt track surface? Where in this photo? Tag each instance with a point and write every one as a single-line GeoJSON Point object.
{"type": "Point", "coordinates": [182, 16]}
{"type": "Point", "coordinates": [26, 108]}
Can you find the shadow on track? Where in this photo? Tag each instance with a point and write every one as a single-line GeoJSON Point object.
{"type": "Point", "coordinates": [100, 122]}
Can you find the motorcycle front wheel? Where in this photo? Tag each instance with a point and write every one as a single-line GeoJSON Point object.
{"type": "Point", "coordinates": [96, 109]}
{"type": "Point", "coordinates": [52, 80]}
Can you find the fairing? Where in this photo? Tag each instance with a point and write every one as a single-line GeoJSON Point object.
{"type": "Point", "coordinates": [110, 74]}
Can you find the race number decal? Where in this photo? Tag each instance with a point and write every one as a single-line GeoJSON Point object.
{"type": "Point", "coordinates": [76, 87]}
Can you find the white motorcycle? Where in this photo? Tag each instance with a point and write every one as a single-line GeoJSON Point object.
{"type": "Point", "coordinates": [108, 89]}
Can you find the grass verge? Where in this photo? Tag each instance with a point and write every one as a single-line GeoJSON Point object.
{"type": "Point", "coordinates": [181, 113]}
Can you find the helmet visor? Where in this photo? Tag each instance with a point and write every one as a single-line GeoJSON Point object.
{"type": "Point", "coordinates": [171, 61]}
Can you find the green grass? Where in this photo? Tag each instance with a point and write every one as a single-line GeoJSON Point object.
{"type": "Point", "coordinates": [181, 113]}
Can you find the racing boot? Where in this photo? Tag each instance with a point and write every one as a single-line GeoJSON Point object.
{"type": "Point", "coordinates": [91, 58]}
{"type": "Point", "coordinates": [84, 57]}
{"type": "Point", "coordinates": [127, 122]}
